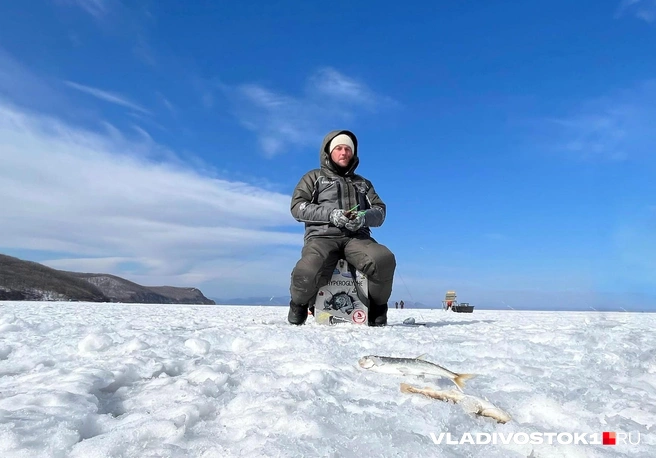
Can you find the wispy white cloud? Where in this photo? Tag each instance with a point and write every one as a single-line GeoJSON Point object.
{"type": "Point", "coordinates": [329, 83]}
{"type": "Point", "coordinates": [96, 8]}
{"type": "Point", "coordinates": [91, 265]}
{"type": "Point", "coordinates": [120, 20]}
{"type": "Point", "coordinates": [143, 133]}
{"type": "Point", "coordinates": [100, 200]}
{"type": "Point", "coordinates": [167, 103]}
{"type": "Point", "coordinates": [330, 98]}
{"type": "Point", "coordinates": [107, 96]}
{"type": "Point", "coordinates": [19, 84]}
{"type": "Point", "coordinates": [146, 119]}
{"type": "Point", "coordinates": [641, 9]}
{"type": "Point", "coordinates": [615, 127]}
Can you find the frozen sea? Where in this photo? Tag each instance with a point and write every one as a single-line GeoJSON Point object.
{"type": "Point", "coordinates": [135, 380]}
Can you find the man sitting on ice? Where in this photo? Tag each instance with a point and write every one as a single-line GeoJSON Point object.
{"type": "Point", "coordinates": [338, 207]}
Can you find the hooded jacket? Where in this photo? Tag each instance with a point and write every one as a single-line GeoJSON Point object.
{"type": "Point", "coordinates": [322, 190]}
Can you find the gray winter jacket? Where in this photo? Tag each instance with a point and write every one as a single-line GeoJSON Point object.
{"type": "Point", "coordinates": [321, 190]}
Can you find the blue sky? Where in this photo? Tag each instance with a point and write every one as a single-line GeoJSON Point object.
{"type": "Point", "coordinates": [513, 142]}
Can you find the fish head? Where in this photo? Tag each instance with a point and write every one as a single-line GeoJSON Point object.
{"type": "Point", "coordinates": [367, 362]}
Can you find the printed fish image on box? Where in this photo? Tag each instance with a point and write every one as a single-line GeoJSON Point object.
{"type": "Point", "coordinates": [338, 301]}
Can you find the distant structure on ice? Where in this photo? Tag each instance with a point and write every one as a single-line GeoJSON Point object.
{"type": "Point", "coordinates": [450, 302]}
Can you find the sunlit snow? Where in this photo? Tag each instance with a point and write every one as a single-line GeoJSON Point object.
{"type": "Point", "coordinates": [118, 380]}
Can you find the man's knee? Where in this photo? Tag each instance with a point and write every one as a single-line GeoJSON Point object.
{"type": "Point", "coordinates": [385, 262]}
{"type": "Point", "coordinates": [306, 277]}
{"type": "Point", "coordinates": [374, 260]}
{"type": "Point", "coordinates": [385, 258]}
{"type": "Point", "coordinates": [307, 269]}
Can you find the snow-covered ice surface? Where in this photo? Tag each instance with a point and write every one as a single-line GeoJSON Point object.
{"type": "Point", "coordinates": [110, 380]}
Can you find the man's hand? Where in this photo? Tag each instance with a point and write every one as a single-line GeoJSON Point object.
{"type": "Point", "coordinates": [352, 213]}
{"type": "Point", "coordinates": [356, 221]}
{"type": "Point", "coordinates": [338, 217]}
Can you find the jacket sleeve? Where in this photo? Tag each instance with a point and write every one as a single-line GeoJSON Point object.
{"type": "Point", "coordinates": [302, 208]}
{"type": "Point", "coordinates": [375, 215]}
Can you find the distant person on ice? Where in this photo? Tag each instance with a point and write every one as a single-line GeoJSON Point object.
{"type": "Point", "coordinates": [322, 200]}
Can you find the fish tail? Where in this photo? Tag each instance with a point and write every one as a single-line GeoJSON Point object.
{"type": "Point", "coordinates": [460, 380]}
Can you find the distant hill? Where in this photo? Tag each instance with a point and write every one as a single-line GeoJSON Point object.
{"type": "Point", "coordinates": [30, 281]}
{"type": "Point", "coordinates": [183, 295]}
{"type": "Point", "coordinates": [118, 289]}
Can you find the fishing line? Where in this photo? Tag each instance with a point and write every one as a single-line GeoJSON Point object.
{"type": "Point", "coordinates": [406, 286]}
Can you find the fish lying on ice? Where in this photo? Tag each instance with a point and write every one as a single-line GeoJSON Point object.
{"type": "Point", "coordinates": [411, 366]}
{"type": "Point", "coordinates": [472, 404]}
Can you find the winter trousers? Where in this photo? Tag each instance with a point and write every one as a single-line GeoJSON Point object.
{"type": "Point", "coordinates": [319, 257]}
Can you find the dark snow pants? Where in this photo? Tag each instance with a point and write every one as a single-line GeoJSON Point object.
{"type": "Point", "coordinates": [319, 257]}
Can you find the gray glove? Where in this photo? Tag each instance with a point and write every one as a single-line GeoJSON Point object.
{"type": "Point", "coordinates": [356, 222]}
{"type": "Point", "coordinates": [338, 218]}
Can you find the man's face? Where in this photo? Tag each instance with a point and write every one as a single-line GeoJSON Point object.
{"type": "Point", "coordinates": [341, 155]}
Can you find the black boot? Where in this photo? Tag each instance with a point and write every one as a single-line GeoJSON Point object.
{"type": "Point", "coordinates": [377, 315]}
{"type": "Point", "coordinates": [297, 313]}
